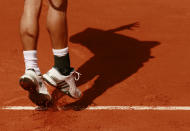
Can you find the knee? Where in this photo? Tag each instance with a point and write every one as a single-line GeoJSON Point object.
{"type": "Point", "coordinates": [58, 4]}
{"type": "Point", "coordinates": [28, 27]}
{"type": "Point", "coordinates": [27, 31]}
{"type": "Point", "coordinates": [30, 17]}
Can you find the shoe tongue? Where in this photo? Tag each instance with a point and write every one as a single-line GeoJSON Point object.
{"type": "Point", "coordinates": [36, 72]}
{"type": "Point", "coordinates": [31, 69]}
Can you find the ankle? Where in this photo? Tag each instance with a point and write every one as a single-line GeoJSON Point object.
{"type": "Point", "coordinates": [31, 61]}
{"type": "Point", "coordinates": [63, 71]}
{"type": "Point", "coordinates": [62, 61]}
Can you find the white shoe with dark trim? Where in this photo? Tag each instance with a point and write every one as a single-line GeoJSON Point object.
{"type": "Point", "coordinates": [66, 84]}
{"type": "Point", "coordinates": [34, 84]}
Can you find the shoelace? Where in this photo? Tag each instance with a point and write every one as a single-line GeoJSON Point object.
{"type": "Point", "coordinates": [77, 76]}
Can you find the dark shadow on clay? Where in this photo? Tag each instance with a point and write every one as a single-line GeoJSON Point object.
{"type": "Point", "coordinates": [116, 57]}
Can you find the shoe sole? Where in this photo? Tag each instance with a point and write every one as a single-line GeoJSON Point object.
{"type": "Point", "coordinates": [42, 100]}
{"type": "Point", "coordinates": [28, 84]}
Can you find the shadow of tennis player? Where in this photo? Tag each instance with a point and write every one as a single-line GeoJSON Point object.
{"type": "Point", "coordinates": [116, 57]}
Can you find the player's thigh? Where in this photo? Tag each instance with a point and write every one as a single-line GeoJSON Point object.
{"type": "Point", "coordinates": [32, 6]}
{"type": "Point", "coordinates": [58, 4]}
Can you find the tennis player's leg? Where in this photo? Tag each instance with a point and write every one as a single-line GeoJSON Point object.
{"type": "Point", "coordinates": [61, 75]}
{"type": "Point", "coordinates": [29, 29]}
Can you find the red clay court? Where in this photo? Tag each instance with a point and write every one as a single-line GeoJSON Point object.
{"type": "Point", "coordinates": [130, 52]}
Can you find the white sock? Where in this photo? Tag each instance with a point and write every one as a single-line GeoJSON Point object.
{"type": "Point", "coordinates": [31, 60]}
{"type": "Point", "coordinates": [61, 52]}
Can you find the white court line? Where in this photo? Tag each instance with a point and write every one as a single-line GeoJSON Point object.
{"type": "Point", "coordinates": [139, 108]}
{"type": "Point", "coordinates": [18, 108]}
{"type": "Point", "coordinates": [125, 108]}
